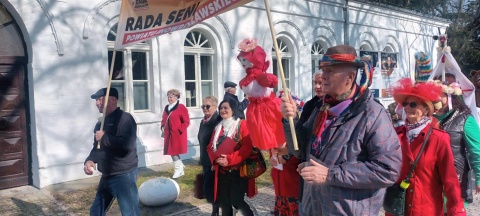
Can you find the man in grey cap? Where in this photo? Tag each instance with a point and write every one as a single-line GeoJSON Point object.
{"type": "Point", "coordinates": [230, 91]}
{"type": "Point", "coordinates": [116, 157]}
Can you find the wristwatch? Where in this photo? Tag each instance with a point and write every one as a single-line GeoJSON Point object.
{"type": "Point", "coordinates": [286, 157]}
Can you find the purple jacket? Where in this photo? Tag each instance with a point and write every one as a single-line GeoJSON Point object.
{"type": "Point", "coordinates": [363, 154]}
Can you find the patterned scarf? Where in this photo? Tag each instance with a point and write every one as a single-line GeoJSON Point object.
{"type": "Point", "coordinates": [414, 129]}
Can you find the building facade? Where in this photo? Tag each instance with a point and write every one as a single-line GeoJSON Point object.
{"type": "Point", "coordinates": [55, 53]}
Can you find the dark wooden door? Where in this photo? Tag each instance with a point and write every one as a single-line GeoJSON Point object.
{"type": "Point", "coordinates": [13, 123]}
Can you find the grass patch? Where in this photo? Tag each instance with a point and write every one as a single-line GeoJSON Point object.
{"type": "Point", "coordinates": [79, 201]}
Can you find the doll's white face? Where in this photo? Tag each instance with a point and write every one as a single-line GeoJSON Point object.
{"type": "Point", "coordinates": [245, 63]}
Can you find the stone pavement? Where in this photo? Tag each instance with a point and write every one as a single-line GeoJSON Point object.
{"type": "Point", "coordinates": [262, 205]}
{"type": "Point", "coordinates": [28, 200]}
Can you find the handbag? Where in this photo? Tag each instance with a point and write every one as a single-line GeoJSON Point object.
{"type": "Point", "coordinates": [394, 202]}
{"type": "Point", "coordinates": [198, 187]}
{"type": "Point", "coordinates": [254, 165]}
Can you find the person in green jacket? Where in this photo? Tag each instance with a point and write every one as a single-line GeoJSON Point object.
{"type": "Point", "coordinates": [454, 116]}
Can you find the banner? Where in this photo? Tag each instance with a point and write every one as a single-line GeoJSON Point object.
{"type": "Point", "coordinates": [141, 20]}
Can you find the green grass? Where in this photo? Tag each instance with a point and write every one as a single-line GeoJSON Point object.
{"type": "Point", "coordinates": [79, 201]}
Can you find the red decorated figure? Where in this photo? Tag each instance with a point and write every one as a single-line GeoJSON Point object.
{"type": "Point", "coordinates": [263, 112]}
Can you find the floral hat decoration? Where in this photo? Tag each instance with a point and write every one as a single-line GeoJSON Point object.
{"type": "Point", "coordinates": [428, 92]}
{"type": "Point", "coordinates": [250, 50]}
{"type": "Point", "coordinates": [449, 90]}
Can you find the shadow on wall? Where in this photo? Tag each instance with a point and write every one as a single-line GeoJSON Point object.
{"type": "Point", "coordinates": [192, 152]}
{"type": "Point", "coordinates": [141, 150]}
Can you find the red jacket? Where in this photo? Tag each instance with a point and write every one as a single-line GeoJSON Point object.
{"type": "Point", "coordinates": [175, 130]}
{"type": "Point", "coordinates": [433, 176]}
{"type": "Point", "coordinates": [235, 158]}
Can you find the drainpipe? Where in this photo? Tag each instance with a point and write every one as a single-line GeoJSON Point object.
{"type": "Point", "coordinates": [346, 39]}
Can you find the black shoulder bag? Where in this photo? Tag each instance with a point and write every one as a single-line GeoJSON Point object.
{"type": "Point", "coordinates": [394, 202]}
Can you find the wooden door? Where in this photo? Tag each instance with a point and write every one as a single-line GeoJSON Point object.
{"type": "Point", "coordinates": [13, 123]}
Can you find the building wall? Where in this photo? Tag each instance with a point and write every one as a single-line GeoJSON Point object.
{"type": "Point", "coordinates": [67, 48]}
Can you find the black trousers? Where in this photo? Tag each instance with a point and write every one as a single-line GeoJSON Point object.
{"type": "Point", "coordinates": [231, 191]}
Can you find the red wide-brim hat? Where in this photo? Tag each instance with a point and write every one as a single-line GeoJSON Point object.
{"type": "Point", "coordinates": [428, 92]}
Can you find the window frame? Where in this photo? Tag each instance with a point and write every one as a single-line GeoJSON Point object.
{"type": "Point", "coordinates": [128, 100]}
{"type": "Point", "coordinates": [197, 51]}
{"type": "Point", "coordinates": [317, 56]}
{"type": "Point", "coordinates": [288, 56]}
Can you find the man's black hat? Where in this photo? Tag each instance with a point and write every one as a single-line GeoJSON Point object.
{"type": "Point", "coordinates": [229, 84]}
{"type": "Point", "coordinates": [103, 91]}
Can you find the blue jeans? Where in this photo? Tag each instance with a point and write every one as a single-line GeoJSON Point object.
{"type": "Point", "coordinates": [124, 188]}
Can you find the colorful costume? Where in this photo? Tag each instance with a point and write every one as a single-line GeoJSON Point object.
{"type": "Point", "coordinates": [263, 112]}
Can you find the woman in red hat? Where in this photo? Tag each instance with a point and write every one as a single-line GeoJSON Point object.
{"type": "Point", "coordinates": [434, 173]}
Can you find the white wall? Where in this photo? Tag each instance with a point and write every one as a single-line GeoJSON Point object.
{"type": "Point", "coordinates": [63, 115]}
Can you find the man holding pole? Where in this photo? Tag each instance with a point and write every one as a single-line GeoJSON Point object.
{"type": "Point", "coordinates": [351, 149]}
{"type": "Point", "coordinates": [115, 152]}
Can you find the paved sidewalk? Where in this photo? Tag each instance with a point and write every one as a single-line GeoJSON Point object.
{"type": "Point", "coordinates": [262, 204]}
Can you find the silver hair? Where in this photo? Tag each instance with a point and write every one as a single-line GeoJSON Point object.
{"type": "Point", "coordinates": [320, 72]}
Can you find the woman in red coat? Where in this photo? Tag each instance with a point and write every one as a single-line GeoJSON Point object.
{"type": "Point", "coordinates": [434, 173]}
{"type": "Point", "coordinates": [175, 122]}
{"type": "Point", "coordinates": [229, 147]}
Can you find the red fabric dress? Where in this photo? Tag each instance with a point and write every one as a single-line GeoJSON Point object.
{"type": "Point", "coordinates": [434, 175]}
{"type": "Point", "coordinates": [235, 158]}
{"type": "Point", "coordinates": [287, 187]}
{"type": "Point", "coordinates": [264, 121]}
{"type": "Point", "coordinates": [175, 130]}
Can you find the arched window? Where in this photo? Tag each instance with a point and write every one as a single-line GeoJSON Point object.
{"type": "Point", "coordinates": [317, 54]}
{"type": "Point", "coordinates": [131, 73]}
{"type": "Point", "coordinates": [366, 49]}
{"type": "Point", "coordinates": [286, 58]}
{"type": "Point", "coordinates": [198, 61]}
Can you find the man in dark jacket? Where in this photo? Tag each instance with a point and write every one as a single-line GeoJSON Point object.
{"type": "Point", "coordinates": [115, 153]}
{"type": "Point", "coordinates": [230, 91]}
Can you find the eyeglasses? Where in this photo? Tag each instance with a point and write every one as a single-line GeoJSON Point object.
{"type": "Point", "coordinates": [412, 104]}
{"type": "Point", "coordinates": [206, 107]}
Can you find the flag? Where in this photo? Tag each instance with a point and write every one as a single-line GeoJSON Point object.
{"type": "Point", "coordinates": [141, 20]}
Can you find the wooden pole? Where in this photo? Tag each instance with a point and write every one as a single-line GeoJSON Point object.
{"type": "Point", "coordinates": [105, 99]}
{"type": "Point", "coordinates": [282, 75]}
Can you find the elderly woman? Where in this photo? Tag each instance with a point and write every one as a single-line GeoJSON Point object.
{"type": "Point", "coordinates": [229, 147]}
{"type": "Point", "coordinates": [310, 105]}
{"type": "Point", "coordinates": [175, 122]}
{"type": "Point", "coordinates": [434, 173]}
{"type": "Point", "coordinates": [209, 121]}
{"type": "Point", "coordinates": [455, 118]}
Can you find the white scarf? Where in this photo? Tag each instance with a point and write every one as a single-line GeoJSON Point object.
{"type": "Point", "coordinates": [170, 106]}
{"type": "Point", "coordinates": [229, 129]}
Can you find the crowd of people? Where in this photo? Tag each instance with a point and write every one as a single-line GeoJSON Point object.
{"type": "Point", "coordinates": [351, 149]}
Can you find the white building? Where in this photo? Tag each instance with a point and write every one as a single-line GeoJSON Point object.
{"type": "Point", "coordinates": [55, 53]}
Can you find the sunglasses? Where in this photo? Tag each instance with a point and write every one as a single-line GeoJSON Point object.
{"type": "Point", "coordinates": [412, 104]}
{"type": "Point", "coordinates": [206, 107]}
